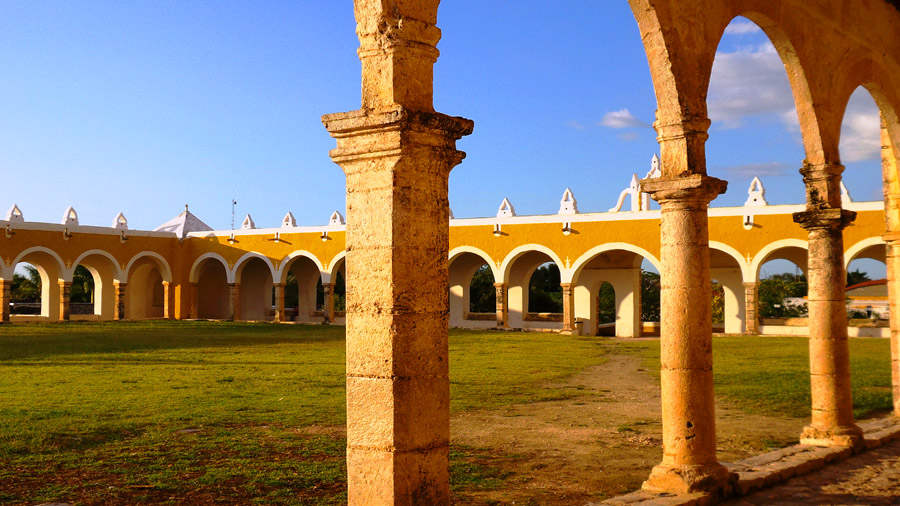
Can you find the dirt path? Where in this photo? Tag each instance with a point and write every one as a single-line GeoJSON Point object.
{"type": "Point", "coordinates": [600, 444]}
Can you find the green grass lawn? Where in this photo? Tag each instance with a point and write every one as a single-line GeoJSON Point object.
{"type": "Point", "coordinates": [199, 413]}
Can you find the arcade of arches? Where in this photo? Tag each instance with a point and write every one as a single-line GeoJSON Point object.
{"type": "Point", "coordinates": [404, 266]}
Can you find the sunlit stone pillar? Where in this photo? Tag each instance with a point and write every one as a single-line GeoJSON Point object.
{"type": "Point", "coordinates": [568, 309]}
{"type": "Point", "coordinates": [279, 302]}
{"type": "Point", "coordinates": [167, 300]}
{"type": "Point", "coordinates": [893, 278]}
{"type": "Point", "coordinates": [5, 298]}
{"type": "Point", "coordinates": [234, 301]}
{"type": "Point", "coordinates": [397, 154]}
{"type": "Point", "coordinates": [195, 301]}
{"type": "Point", "coordinates": [65, 291]}
{"type": "Point", "coordinates": [684, 192]}
{"type": "Point", "coordinates": [119, 291]}
{"type": "Point", "coordinates": [328, 301]}
{"type": "Point", "coordinates": [751, 291]}
{"type": "Point", "coordinates": [829, 353]}
{"type": "Point", "coordinates": [502, 304]}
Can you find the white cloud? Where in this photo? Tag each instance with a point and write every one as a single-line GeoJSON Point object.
{"type": "Point", "coordinates": [622, 119]}
{"type": "Point", "coordinates": [742, 28]}
{"type": "Point", "coordinates": [748, 82]}
{"type": "Point", "coordinates": [861, 130]}
{"type": "Point", "coordinates": [757, 169]}
{"type": "Point", "coordinates": [575, 125]}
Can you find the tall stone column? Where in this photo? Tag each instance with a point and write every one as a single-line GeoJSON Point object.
{"type": "Point", "coordinates": [328, 302]}
{"type": "Point", "coordinates": [119, 290]}
{"type": "Point", "coordinates": [568, 303]}
{"type": "Point", "coordinates": [893, 278]}
{"type": "Point", "coordinates": [234, 301]}
{"type": "Point", "coordinates": [502, 304]}
{"type": "Point", "coordinates": [684, 192]}
{"type": "Point", "coordinates": [167, 298]}
{"type": "Point", "coordinates": [65, 292]}
{"type": "Point", "coordinates": [195, 301]}
{"type": "Point", "coordinates": [751, 291]}
{"type": "Point", "coordinates": [829, 353]}
{"type": "Point", "coordinates": [279, 302]}
{"type": "Point", "coordinates": [5, 298]}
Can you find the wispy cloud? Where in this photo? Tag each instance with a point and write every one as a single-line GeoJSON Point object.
{"type": "Point", "coordinates": [742, 28]}
{"type": "Point", "coordinates": [575, 125]}
{"type": "Point", "coordinates": [628, 136]}
{"type": "Point", "coordinates": [756, 169]}
{"type": "Point", "coordinates": [861, 131]}
{"type": "Point", "coordinates": [622, 119]}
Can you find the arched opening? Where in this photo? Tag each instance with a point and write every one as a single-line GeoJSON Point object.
{"type": "Point", "coordinates": [534, 275]}
{"type": "Point", "coordinates": [861, 148]}
{"type": "Point", "coordinates": [93, 293]}
{"type": "Point", "coordinates": [213, 292]}
{"type": "Point", "coordinates": [301, 281]}
{"type": "Point", "coordinates": [868, 304]}
{"type": "Point", "coordinates": [782, 292]}
{"type": "Point", "coordinates": [255, 292]}
{"type": "Point", "coordinates": [751, 105]}
{"type": "Point", "coordinates": [26, 292]}
{"type": "Point", "coordinates": [473, 300]}
{"type": "Point", "coordinates": [145, 293]}
{"type": "Point", "coordinates": [607, 291]}
{"type": "Point", "coordinates": [729, 306]}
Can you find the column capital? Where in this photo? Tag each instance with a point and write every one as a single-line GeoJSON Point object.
{"type": "Point", "coordinates": [695, 188]}
{"type": "Point", "coordinates": [751, 284]}
{"type": "Point", "coordinates": [820, 171]}
{"type": "Point", "coordinates": [833, 218]}
{"type": "Point", "coordinates": [501, 285]}
{"type": "Point", "coordinates": [891, 238]}
{"type": "Point", "coordinates": [681, 128]}
{"type": "Point", "coordinates": [371, 134]}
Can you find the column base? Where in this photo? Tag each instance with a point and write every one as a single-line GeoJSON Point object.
{"type": "Point", "coordinates": [714, 479]}
{"type": "Point", "coordinates": [848, 436]}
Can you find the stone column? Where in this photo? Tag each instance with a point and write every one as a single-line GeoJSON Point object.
{"type": "Point", "coordinates": [5, 298]}
{"type": "Point", "coordinates": [684, 192]}
{"type": "Point", "coordinates": [568, 309]}
{"type": "Point", "coordinates": [167, 311]}
{"type": "Point", "coordinates": [195, 301]}
{"type": "Point", "coordinates": [502, 304]}
{"type": "Point", "coordinates": [234, 301]}
{"type": "Point", "coordinates": [279, 302]}
{"type": "Point", "coordinates": [119, 290]}
{"type": "Point", "coordinates": [328, 302]}
{"type": "Point", "coordinates": [893, 277]}
{"type": "Point", "coordinates": [829, 352]}
{"type": "Point", "coordinates": [65, 291]}
{"type": "Point", "coordinates": [752, 312]}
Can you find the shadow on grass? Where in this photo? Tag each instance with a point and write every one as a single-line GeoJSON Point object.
{"type": "Point", "coordinates": [42, 341]}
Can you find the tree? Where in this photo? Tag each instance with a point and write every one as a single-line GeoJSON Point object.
{"type": "Point", "coordinates": [606, 304]}
{"type": "Point", "coordinates": [650, 289]}
{"type": "Point", "coordinates": [26, 288]}
{"type": "Point", "coordinates": [544, 291]}
{"type": "Point", "coordinates": [718, 302]}
{"type": "Point", "coordinates": [775, 289]}
{"type": "Point", "coordinates": [82, 285]}
{"type": "Point", "coordinates": [482, 295]}
{"type": "Point", "coordinates": [856, 277]}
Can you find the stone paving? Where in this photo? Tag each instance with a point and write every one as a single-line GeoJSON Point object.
{"type": "Point", "coordinates": [871, 478]}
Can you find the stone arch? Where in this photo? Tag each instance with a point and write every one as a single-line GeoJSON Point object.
{"type": "Point", "coordinates": [517, 252]}
{"type": "Point", "coordinates": [308, 272]}
{"type": "Point", "coordinates": [254, 277]}
{"type": "Point", "coordinates": [589, 273]}
{"type": "Point", "coordinates": [239, 265]}
{"type": "Point", "coordinates": [334, 266]}
{"type": "Point", "coordinates": [118, 273]}
{"type": "Point", "coordinates": [51, 269]}
{"type": "Point", "coordinates": [517, 269]}
{"type": "Point", "coordinates": [732, 271]}
{"type": "Point", "coordinates": [106, 271]}
{"type": "Point", "coordinates": [284, 265]}
{"type": "Point", "coordinates": [202, 259]}
{"type": "Point", "coordinates": [861, 248]}
{"type": "Point", "coordinates": [161, 263]}
{"type": "Point", "coordinates": [766, 253]}
{"type": "Point", "coordinates": [59, 264]}
{"type": "Point", "coordinates": [463, 263]}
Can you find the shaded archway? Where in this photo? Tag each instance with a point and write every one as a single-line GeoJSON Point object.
{"type": "Point", "coordinates": [518, 268]}
{"type": "Point", "coordinates": [106, 274]}
{"type": "Point", "coordinates": [463, 267]}
{"type": "Point", "coordinates": [213, 295]}
{"type": "Point", "coordinates": [619, 268]}
{"type": "Point", "coordinates": [147, 296]}
{"type": "Point", "coordinates": [300, 276]}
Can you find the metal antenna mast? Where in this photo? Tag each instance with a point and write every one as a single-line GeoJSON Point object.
{"type": "Point", "coordinates": [233, 203]}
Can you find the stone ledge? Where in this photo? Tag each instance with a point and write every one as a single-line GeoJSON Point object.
{"type": "Point", "coordinates": [770, 468]}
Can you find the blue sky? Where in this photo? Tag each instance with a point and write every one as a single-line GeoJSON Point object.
{"type": "Point", "coordinates": [141, 107]}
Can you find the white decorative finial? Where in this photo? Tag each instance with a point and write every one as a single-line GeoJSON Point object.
{"type": "Point", "coordinates": [15, 215]}
{"type": "Point", "coordinates": [185, 208]}
{"type": "Point", "coordinates": [288, 221]}
{"type": "Point", "coordinates": [506, 209]}
{"type": "Point", "coordinates": [120, 223]}
{"type": "Point", "coordinates": [655, 170]}
{"type": "Point", "coordinates": [634, 191]}
{"type": "Point", "coordinates": [845, 194]}
{"type": "Point", "coordinates": [70, 217]}
{"type": "Point", "coordinates": [568, 204]}
{"type": "Point", "coordinates": [248, 224]}
{"type": "Point", "coordinates": [451, 214]}
{"type": "Point", "coordinates": [336, 219]}
{"type": "Point", "coordinates": [756, 194]}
